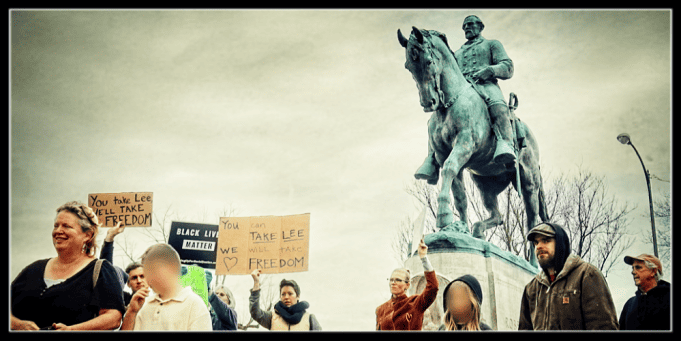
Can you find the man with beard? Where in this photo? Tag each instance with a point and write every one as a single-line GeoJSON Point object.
{"type": "Point", "coordinates": [650, 308]}
{"type": "Point", "coordinates": [569, 293]}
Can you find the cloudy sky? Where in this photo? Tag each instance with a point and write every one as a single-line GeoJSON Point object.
{"type": "Point", "coordinates": [280, 112]}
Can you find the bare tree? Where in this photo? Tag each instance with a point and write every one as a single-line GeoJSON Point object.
{"type": "Point", "coordinates": [509, 235]}
{"type": "Point", "coordinates": [662, 209]}
{"type": "Point", "coordinates": [402, 239]}
{"type": "Point", "coordinates": [595, 222]}
{"type": "Point", "coordinates": [269, 295]}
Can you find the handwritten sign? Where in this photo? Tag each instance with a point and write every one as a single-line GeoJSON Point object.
{"type": "Point", "coordinates": [274, 244]}
{"type": "Point", "coordinates": [131, 209]}
{"type": "Point", "coordinates": [195, 243]}
{"type": "Point", "coordinates": [419, 231]}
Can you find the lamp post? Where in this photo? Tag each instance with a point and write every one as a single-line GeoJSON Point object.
{"type": "Point", "coordinates": [624, 139]}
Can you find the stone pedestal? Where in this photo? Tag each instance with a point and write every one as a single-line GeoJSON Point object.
{"type": "Point", "coordinates": [502, 276]}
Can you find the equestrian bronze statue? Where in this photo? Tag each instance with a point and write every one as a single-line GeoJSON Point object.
{"type": "Point", "coordinates": [462, 136]}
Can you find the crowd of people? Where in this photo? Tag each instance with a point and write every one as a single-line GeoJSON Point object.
{"type": "Point", "coordinates": [78, 291]}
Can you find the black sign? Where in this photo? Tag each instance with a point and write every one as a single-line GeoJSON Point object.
{"type": "Point", "coordinates": [196, 243]}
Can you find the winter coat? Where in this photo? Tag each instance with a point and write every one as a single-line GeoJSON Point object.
{"type": "Point", "coordinates": [578, 299]}
{"type": "Point", "coordinates": [223, 315]}
{"type": "Point", "coordinates": [406, 312]}
{"type": "Point", "coordinates": [649, 311]}
{"type": "Point", "coordinates": [268, 319]}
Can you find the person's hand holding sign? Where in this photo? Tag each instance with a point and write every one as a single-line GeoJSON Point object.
{"type": "Point", "coordinates": [256, 279]}
{"type": "Point", "coordinates": [114, 231]}
{"type": "Point", "coordinates": [423, 249]}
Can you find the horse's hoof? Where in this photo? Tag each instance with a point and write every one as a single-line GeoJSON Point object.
{"type": "Point", "coordinates": [444, 221]}
{"type": "Point", "coordinates": [432, 175]}
{"type": "Point", "coordinates": [478, 231]}
{"type": "Point", "coordinates": [458, 227]}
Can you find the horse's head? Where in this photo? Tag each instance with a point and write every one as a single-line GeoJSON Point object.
{"type": "Point", "coordinates": [425, 62]}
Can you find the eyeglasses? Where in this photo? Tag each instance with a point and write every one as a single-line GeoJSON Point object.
{"type": "Point", "coordinates": [396, 280]}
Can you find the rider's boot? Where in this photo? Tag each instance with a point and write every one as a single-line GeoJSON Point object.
{"type": "Point", "coordinates": [429, 170]}
{"type": "Point", "coordinates": [504, 153]}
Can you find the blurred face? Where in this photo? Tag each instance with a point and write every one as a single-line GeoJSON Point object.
{"type": "Point", "coordinates": [288, 296]}
{"type": "Point", "coordinates": [223, 296]}
{"type": "Point", "coordinates": [67, 233]}
{"type": "Point", "coordinates": [459, 303]}
{"type": "Point", "coordinates": [160, 275]}
{"type": "Point", "coordinates": [136, 279]}
{"type": "Point", "coordinates": [398, 282]}
{"type": "Point", "coordinates": [545, 249]}
{"type": "Point", "coordinates": [643, 276]}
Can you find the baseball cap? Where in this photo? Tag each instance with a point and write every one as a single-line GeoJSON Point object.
{"type": "Point", "coordinates": [543, 229]}
{"type": "Point", "coordinates": [645, 257]}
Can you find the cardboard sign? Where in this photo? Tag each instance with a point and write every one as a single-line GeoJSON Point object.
{"type": "Point", "coordinates": [274, 244]}
{"type": "Point", "coordinates": [131, 209]}
{"type": "Point", "coordinates": [419, 231]}
{"type": "Point", "coordinates": [195, 243]}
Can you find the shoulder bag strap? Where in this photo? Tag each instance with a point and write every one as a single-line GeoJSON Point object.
{"type": "Point", "coordinates": [95, 274]}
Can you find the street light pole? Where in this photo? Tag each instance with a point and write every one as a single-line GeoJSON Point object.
{"type": "Point", "coordinates": [624, 139]}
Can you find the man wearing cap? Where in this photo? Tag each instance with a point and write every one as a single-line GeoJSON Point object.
{"type": "Point", "coordinates": [649, 309]}
{"type": "Point", "coordinates": [569, 293]}
{"type": "Point", "coordinates": [482, 62]}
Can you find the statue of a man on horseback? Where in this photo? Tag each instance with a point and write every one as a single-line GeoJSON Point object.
{"type": "Point", "coordinates": [470, 128]}
{"type": "Point", "coordinates": [482, 62]}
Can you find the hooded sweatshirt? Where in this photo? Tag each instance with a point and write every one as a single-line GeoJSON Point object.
{"type": "Point", "coordinates": [648, 311]}
{"type": "Point", "coordinates": [578, 298]}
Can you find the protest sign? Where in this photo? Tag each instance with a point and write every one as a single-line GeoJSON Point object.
{"type": "Point", "coordinates": [419, 231]}
{"type": "Point", "coordinates": [195, 243]}
{"type": "Point", "coordinates": [131, 209]}
{"type": "Point", "coordinates": [274, 244]}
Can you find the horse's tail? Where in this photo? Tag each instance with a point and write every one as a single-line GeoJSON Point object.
{"type": "Point", "coordinates": [543, 215]}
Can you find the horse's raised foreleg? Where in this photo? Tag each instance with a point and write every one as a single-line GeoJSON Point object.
{"type": "Point", "coordinates": [452, 182]}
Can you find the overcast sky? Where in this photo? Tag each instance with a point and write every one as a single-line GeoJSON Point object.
{"type": "Point", "coordinates": [281, 112]}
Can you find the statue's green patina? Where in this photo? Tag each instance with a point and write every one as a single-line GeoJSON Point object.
{"type": "Point", "coordinates": [462, 136]}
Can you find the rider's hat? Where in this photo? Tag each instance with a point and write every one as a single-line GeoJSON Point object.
{"type": "Point", "coordinates": [472, 18]}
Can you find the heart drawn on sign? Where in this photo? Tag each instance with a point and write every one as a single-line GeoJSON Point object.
{"type": "Point", "coordinates": [230, 262]}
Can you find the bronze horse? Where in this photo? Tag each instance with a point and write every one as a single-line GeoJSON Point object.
{"type": "Point", "coordinates": [461, 137]}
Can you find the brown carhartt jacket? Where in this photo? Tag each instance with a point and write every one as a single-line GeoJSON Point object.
{"type": "Point", "coordinates": [578, 299]}
{"type": "Point", "coordinates": [406, 313]}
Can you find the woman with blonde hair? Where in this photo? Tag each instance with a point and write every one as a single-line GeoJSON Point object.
{"type": "Point", "coordinates": [462, 300]}
{"type": "Point", "coordinates": [73, 291]}
{"type": "Point", "coordinates": [404, 312]}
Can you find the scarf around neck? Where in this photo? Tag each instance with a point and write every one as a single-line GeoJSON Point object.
{"type": "Point", "coordinates": [292, 314]}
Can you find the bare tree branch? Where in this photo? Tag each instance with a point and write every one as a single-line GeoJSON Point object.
{"type": "Point", "coordinates": [595, 222]}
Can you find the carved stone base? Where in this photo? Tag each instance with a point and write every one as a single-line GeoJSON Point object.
{"type": "Point", "coordinates": [502, 276]}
